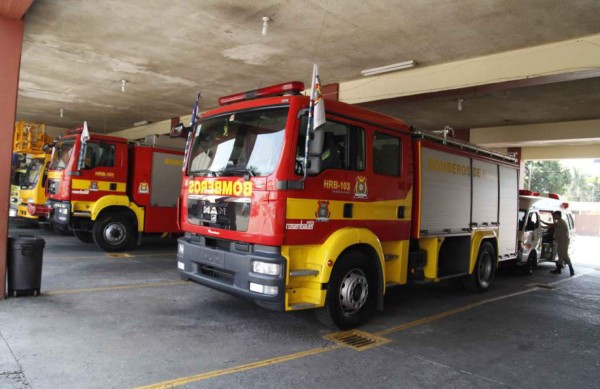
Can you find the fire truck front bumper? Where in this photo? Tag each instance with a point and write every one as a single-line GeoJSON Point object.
{"type": "Point", "coordinates": [254, 272]}
{"type": "Point", "coordinates": [60, 212]}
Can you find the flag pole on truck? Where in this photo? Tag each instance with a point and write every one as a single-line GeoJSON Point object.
{"type": "Point", "coordinates": [316, 113]}
{"type": "Point", "coordinates": [85, 136]}
{"type": "Point", "coordinates": [191, 129]}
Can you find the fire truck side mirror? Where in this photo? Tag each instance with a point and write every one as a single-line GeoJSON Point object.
{"type": "Point", "coordinates": [179, 131]}
{"type": "Point", "coordinates": [315, 149]}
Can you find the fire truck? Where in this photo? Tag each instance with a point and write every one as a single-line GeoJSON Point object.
{"type": "Point", "coordinates": [31, 160]}
{"type": "Point", "coordinates": [109, 191]}
{"type": "Point", "coordinates": [374, 203]}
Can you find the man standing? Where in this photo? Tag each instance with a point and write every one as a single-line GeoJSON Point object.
{"type": "Point", "coordinates": [561, 238]}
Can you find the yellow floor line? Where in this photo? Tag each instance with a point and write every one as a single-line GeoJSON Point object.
{"type": "Point", "coordinates": [103, 255]}
{"type": "Point", "coordinates": [109, 288]}
{"type": "Point", "coordinates": [236, 369]}
{"type": "Point", "coordinates": [450, 312]}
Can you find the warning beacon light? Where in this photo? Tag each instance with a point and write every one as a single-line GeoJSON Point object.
{"type": "Point", "coordinates": [288, 88]}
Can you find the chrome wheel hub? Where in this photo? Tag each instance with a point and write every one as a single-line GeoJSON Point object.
{"type": "Point", "coordinates": [354, 291]}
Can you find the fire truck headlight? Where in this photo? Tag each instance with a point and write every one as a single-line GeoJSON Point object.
{"type": "Point", "coordinates": [264, 289]}
{"type": "Point", "coordinates": [180, 249]}
{"type": "Point", "coordinates": [63, 211]}
{"type": "Point", "coordinates": [272, 269]}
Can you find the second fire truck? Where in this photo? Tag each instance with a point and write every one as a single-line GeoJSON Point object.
{"type": "Point", "coordinates": [375, 203]}
{"type": "Point", "coordinates": [109, 191]}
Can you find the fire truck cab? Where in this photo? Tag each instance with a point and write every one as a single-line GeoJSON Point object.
{"type": "Point", "coordinates": [377, 203]}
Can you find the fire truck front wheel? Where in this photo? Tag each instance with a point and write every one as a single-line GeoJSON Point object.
{"type": "Point", "coordinates": [484, 271]}
{"type": "Point", "coordinates": [351, 293]}
{"type": "Point", "coordinates": [113, 233]}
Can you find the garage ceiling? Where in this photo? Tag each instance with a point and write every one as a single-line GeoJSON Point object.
{"type": "Point", "coordinates": [76, 53]}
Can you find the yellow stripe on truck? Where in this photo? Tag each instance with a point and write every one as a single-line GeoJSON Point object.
{"type": "Point", "coordinates": [376, 210]}
{"type": "Point", "coordinates": [100, 185]}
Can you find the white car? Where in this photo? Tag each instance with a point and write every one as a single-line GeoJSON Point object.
{"type": "Point", "coordinates": [536, 241]}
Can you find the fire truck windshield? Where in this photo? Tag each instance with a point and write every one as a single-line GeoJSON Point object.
{"type": "Point", "coordinates": [238, 144]}
{"type": "Point", "coordinates": [62, 154]}
{"type": "Point", "coordinates": [32, 175]}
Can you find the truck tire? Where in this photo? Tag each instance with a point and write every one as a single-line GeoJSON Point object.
{"type": "Point", "coordinates": [351, 293]}
{"type": "Point", "coordinates": [113, 233]}
{"type": "Point", "coordinates": [484, 271]}
{"type": "Point", "coordinates": [84, 236]}
{"type": "Point", "coordinates": [531, 264]}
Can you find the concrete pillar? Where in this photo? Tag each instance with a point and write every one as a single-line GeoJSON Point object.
{"type": "Point", "coordinates": [11, 31]}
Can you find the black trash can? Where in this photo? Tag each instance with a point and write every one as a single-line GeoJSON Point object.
{"type": "Point", "coordinates": [24, 267]}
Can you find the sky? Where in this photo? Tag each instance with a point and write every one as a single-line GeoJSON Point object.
{"type": "Point", "coordinates": [586, 166]}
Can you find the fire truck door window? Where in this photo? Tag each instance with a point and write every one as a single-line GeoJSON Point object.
{"type": "Point", "coordinates": [343, 146]}
{"type": "Point", "coordinates": [386, 154]}
{"type": "Point", "coordinates": [99, 155]}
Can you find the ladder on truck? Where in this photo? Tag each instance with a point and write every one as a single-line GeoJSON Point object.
{"type": "Point", "coordinates": [442, 137]}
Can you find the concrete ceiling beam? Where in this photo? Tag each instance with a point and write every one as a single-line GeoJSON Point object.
{"type": "Point", "coordinates": [567, 60]}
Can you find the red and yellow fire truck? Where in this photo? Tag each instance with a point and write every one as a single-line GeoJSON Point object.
{"type": "Point", "coordinates": [105, 189]}
{"type": "Point", "coordinates": [375, 203]}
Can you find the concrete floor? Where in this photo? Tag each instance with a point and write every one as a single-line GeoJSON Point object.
{"type": "Point", "coordinates": [130, 322]}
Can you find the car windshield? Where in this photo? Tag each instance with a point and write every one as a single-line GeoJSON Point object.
{"type": "Point", "coordinates": [62, 154]}
{"type": "Point", "coordinates": [238, 144]}
{"type": "Point", "coordinates": [32, 175]}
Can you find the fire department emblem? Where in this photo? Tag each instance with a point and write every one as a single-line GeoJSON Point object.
{"type": "Point", "coordinates": [323, 213]}
{"type": "Point", "coordinates": [360, 187]}
{"type": "Point", "coordinates": [94, 185]}
{"type": "Point", "coordinates": [143, 188]}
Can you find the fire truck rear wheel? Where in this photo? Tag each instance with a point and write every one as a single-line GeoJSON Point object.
{"type": "Point", "coordinates": [351, 292]}
{"type": "Point", "coordinates": [484, 271]}
{"type": "Point", "coordinates": [113, 233]}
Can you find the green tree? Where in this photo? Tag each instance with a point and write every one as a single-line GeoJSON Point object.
{"type": "Point", "coordinates": [579, 185]}
{"type": "Point", "coordinates": [546, 176]}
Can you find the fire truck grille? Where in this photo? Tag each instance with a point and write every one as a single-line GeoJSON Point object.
{"type": "Point", "coordinates": [221, 275]}
{"type": "Point", "coordinates": [357, 340]}
{"type": "Point", "coordinates": [226, 214]}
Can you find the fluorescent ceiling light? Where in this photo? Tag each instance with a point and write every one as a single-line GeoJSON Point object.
{"type": "Point", "coordinates": [389, 68]}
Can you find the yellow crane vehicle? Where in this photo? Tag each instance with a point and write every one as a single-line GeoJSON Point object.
{"type": "Point", "coordinates": [31, 169]}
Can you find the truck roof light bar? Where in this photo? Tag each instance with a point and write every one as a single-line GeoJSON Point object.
{"type": "Point", "coordinates": [76, 130]}
{"type": "Point", "coordinates": [287, 88]}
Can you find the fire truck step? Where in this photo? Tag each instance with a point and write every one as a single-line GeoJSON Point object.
{"type": "Point", "coordinates": [299, 306]}
{"type": "Point", "coordinates": [303, 272]}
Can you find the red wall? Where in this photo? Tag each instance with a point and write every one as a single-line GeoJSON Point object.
{"type": "Point", "coordinates": [11, 31]}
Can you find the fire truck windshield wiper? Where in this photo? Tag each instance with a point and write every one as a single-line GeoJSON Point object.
{"type": "Point", "coordinates": [202, 172]}
{"type": "Point", "coordinates": [245, 172]}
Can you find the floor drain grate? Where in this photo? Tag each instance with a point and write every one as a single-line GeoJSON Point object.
{"type": "Point", "coordinates": [357, 340]}
{"type": "Point", "coordinates": [119, 255]}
